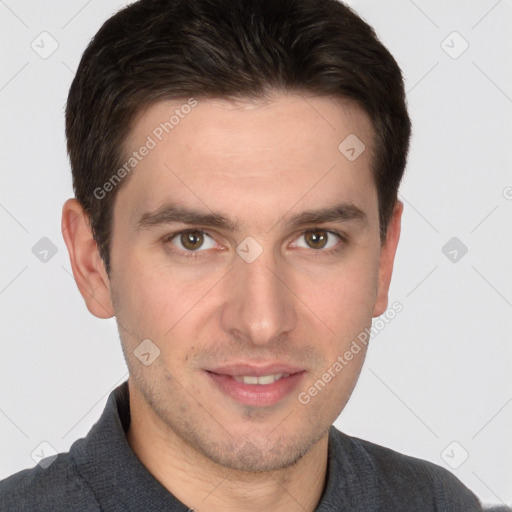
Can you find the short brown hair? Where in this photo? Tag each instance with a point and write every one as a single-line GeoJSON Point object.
{"type": "Point", "coordinates": [156, 50]}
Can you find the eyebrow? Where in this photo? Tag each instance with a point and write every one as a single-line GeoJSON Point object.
{"type": "Point", "coordinates": [171, 213]}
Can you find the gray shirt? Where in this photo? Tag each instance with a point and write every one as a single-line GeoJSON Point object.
{"type": "Point", "coordinates": [102, 473]}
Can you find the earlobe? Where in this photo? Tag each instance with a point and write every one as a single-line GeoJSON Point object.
{"type": "Point", "coordinates": [387, 258]}
{"type": "Point", "coordinates": [88, 269]}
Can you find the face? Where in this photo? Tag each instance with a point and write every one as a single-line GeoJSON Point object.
{"type": "Point", "coordinates": [246, 248]}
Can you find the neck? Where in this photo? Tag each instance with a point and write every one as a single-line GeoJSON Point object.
{"type": "Point", "coordinates": [205, 486]}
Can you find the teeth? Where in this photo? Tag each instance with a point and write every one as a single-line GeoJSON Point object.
{"type": "Point", "coordinates": [263, 379]}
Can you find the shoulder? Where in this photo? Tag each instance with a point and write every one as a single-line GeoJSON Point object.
{"type": "Point", "coordinates": [399, 479]}
{"type": "Point", "coordinates": [55, 488]}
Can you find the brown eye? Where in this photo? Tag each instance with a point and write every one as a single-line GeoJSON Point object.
{"type": "Point", "coordinates": [316, 239]}
{"type": "Point", "coordinates": [192, 240]}
{"type": "Point", "coordinates": [321, 240]}
{"type": "Point", "coordinates": [190, 243]}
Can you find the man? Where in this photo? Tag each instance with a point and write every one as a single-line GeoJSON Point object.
{"type": "Point", "coordinates": [236, 167]}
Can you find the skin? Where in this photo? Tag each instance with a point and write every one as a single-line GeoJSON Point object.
{"type": "Point", "coordinates": [257, 163]}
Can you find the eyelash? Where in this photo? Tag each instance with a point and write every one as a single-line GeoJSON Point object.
{"type": "Point", "coordinates": [196, 254]}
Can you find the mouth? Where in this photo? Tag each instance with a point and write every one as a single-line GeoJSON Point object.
{"type": "Point", "coordinates": [256, 386]}
{"type": "Point", "coordinates": [264, 380]}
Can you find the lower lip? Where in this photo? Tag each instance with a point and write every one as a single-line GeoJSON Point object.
{"type": "Point", "coordinates": [256, 394]}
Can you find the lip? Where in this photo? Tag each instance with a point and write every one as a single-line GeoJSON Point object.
{"type": "Point", "coordinates": [258, 395]}
{"type": "Point", "coordinates": [256, 370]}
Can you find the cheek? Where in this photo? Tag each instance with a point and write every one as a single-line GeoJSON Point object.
{"type": "Point", "coordinates": [158, 302]}
{"type": "Point", "coordinates": [141, 303]}
{"type": "Point", "coordinates": [344, 299]}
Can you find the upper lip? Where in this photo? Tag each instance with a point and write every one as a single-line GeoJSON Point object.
{"type": "Point", "coordinates": [257, 371]}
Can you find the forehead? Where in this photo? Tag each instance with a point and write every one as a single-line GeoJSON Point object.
{"type": "Point", "coordinates": [249, 154]}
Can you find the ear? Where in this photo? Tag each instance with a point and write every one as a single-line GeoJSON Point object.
{"type": "Point", "coordinates": [88, 268]}
{"type": "Point", "coordinates": [387, 258]}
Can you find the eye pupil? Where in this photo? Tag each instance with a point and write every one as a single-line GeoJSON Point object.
{"type": "Point", "coordinates": [192, 240]}
{"type": "Point", "coordinates": [318, 239]}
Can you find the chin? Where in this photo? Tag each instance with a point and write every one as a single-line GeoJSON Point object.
{"type": "Point", "coordinates": [256, 455]}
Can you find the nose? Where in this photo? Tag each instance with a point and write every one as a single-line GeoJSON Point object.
{"type": "Point", "coordinates": [260, 307]}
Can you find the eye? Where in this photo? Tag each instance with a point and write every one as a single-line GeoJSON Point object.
{"type": "Point", "coordinates": [319, 239]}
{"type": "Point", "coordinates": [191, 241]}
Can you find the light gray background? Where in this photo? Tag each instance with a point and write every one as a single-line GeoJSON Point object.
{"type": "Point", "coordinates": [438, 373]}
